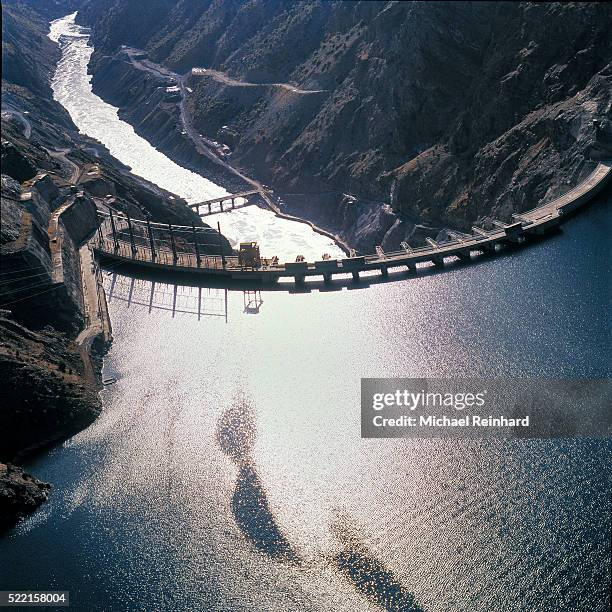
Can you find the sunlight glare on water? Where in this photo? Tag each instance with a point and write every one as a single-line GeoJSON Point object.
{"type": "Point", "coordinates": [227, 472]}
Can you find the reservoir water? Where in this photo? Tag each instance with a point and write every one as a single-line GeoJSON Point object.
{"type": "Point", "coordinates": [227, 471]}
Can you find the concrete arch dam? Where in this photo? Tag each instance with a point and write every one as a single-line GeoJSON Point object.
{"type": "Point", "coordinates": [121, 240]}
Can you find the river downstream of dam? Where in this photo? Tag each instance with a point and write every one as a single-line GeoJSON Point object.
{"type": "Point", "coordinates": [227, 472]}
{"type": "Point", "coordinates": [72, 88]}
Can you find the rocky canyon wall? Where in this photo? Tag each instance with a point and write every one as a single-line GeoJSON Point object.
{"type": "Point", "coordinates": [449, 112]}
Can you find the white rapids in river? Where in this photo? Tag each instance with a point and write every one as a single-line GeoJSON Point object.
{"type": "Point", "coordinates": [72, 89]}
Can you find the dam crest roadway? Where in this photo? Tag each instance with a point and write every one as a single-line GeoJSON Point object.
{"type": "Point", "coordinates": [122, 240]}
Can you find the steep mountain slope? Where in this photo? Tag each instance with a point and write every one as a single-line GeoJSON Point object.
{"type": "Point", "coordinates": [449, 111]}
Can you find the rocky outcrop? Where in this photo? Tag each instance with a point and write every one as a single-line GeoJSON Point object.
{"type": "Point", "coordinates": [26, 60]}
{"type": "Point", "coordinates": [15, 164]}
{"type": "Point", "coordinates": [20, 495]}
{"type": "Point", "coordinates": [447, 111]}
{"type": "Point", "coordinates": [45, 396]}
{"type": "Point", "coordinates": [41, 267]}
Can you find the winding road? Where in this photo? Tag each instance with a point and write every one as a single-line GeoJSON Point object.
{"type": "Point", "coordinates": [76, 171]}
{"type": "Point", "coordinates": [221, 77]}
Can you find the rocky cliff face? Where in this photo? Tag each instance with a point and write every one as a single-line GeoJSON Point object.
{"type": "Point", "coordinates": [447, 111]}
{"type": "Point", "coordinates": [45, 394]}
{"type": "Point", "coordinates": [20, 494]}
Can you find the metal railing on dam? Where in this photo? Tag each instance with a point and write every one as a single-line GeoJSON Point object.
{"type": "Point", "coordinates": [186, 250]}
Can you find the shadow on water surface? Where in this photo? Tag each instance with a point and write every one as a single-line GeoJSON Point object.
{"type": "Point", "coordinates": [367, 574]}
{"type": "Point", "coordinates": [236, 432]}
{"type": "Point", "coordinates": [255, 519]}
